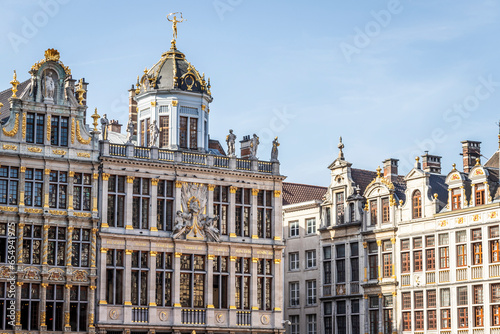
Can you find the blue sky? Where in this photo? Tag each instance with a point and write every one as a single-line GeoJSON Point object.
{"type": "Point", "coordinates": [393, 78]}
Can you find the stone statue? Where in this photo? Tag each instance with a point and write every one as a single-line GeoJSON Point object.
{"type": "Point", "coordinates": [50, 87]}
{"type": "Point", "coordinates": [230, 140]}
{"type": "Point", "coordinates": [274, 150]}
{"type": "Point", "coordinates": [104, 127]}
{"type": "Point", "coordinates": [254, 144]}
{"type": "Point", "coordinates": [33, 83]}
{"type": "Point", "coordinates": [174, 22]}
{"type": "Point", "coordinates": [130, 130]}
{"type": "Point", "coordinates": [69, 88]}
{"type": "Point", "coordinates": [209, 228]}
{"type": "Point", "coordinates": [181, 224]}
{"type": "Point", "coordinates": [154, 131]}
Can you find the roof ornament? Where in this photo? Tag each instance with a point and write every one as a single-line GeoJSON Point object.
{"type": "Point", "coordinates": [341, 146]}
{"type": "Point", "coordinates": [95, 117]}
{"type": "Point", "coordinates": [378, 171]}
{"type": "Point", "coordinates": [417, 162]}
{"type": "Point", "coordinates": [138, 85]}
{"type": "Point", "coordinates": [80, 91]}
{"type": "Point", "coordinates": [454, 166]}
{"type": "Point", "coordinates": [14, 84]}
{"type": "Point", "coordinates": [478, 162]}
{"type": "Point", "coordinates": [174, 25]}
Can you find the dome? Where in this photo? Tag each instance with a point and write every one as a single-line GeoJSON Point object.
{"type": "Point", "coordinates": [171, 72]}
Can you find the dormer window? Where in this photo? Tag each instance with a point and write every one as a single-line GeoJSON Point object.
{"type": "Point", "coordinates": [479, 194]}
{"type": "Point", "coordinates": [416, 204]}
{"type": "Point", "coordinates": [456, 199]}
{"type": "Point", "coordinates": [35, 128]}
{"type": "Point", "coordinates": [340, 208]}
{"type": "Point", "coordinates": [192, 132]}
{"type": "Point", "coordinates": [385, 210]}
{"type": "Point", "coordinates": [352, 212]}
{"type": "Point", "coordinates": [373, 212]}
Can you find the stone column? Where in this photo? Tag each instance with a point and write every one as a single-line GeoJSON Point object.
{"type": "Point", "coordinates": [176, 284]}
{"type": "Point", "coordinates": [278, 280]}
{"type": "Point", "coordinates": [379, 257]}
{"type": "Point", "coordinates": [67, 290]}
{"type": "Point", "coordinates": [153, 220]}
{"type": "Point", "coordinates": [19, 286]}
{"type": "Point", "coordinates": [127, 293]}
{"type": "Point", "coordinates": [104, 200]}
{"type": "Point", "coordinates": [380, 313]}
{"type": "Point", "coordinates": [102, 278]}
{"type": "Point", "coordinates": [43, 306]}
{"type": "Point", "coordinates": [232, 290]}
{"type": "Point", "coordinates": [45, 243]}
{"type": "Point", "coordinates": [20, 233]}
{"type": "Point", "coordinates": [210, 203]}
{"type": "Point", "coordinates": [366, 321]}
{"type": "Point", "coordinates": [94, 192]}
{"type": "Point", "coordinates": [364, 260]}
{"type": "Point", "coordinates": [69, 246]}
{"type": "Point", "coordinates": [129, 200]}
{"type": "Point", "coordinates": [46, 179]}
{"type": "Point", "coordinates": [71, 180]}
{"type": "Point", "coordinates": [277, 216]}
{"type": "Point", "coordinates": [253, 287]}
{"type": "Point", "coordinates": [394, 256]}
{"type": "Point", "coordinates": [93, 249]}
{"type": "Point", "coordinates": [22, 176]}
{"type": "Point", "coordinates": [91, 305]}
{"type": "Point", "coordinates": [177, 196]}
{"type": "Point", "coordinates": [231, 214]}
{"type": "Point", "coordinates": [209, 287]}
{"type": "Point", "coordinates": [152, 284]}
{"type": "Point", "coordinates": [254, 215]}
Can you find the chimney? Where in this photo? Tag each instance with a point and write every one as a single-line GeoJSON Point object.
{"type": "Point", "coordinates": [245, 147]}
{"type": "Point", "coordinates": [471, 152]}
{"type": "Point", "coordinates": [431, 163]}
{"type": "Point", "coordinates": [132, 108]}
{"type": "Point", "coordinates": [114, 126]}
{"type": "Point", "coordinates": [391, 169]}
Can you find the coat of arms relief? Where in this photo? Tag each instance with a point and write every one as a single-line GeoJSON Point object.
{"type": "Point", "coordinates": [192, 221]}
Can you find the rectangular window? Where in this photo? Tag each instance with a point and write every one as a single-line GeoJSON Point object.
{"type": "Point", "coordinates": [294, 294]}
{"type": "Point", "coordinates": [243, 276]}
{"type": "Point", "coordinates": [405, 262]}
{"type": "Point", "coordinates": [80, 247]}
{"type": "Point", "coordinates": [479, 189]}
{"type": "Point", "coordinates": [431, 320]}
{"type": "Point", "coordinates": [193, 133]}
{"type": "Point", "coordinates": [78, 296]}
{"type": "Point", "coordinates": [373, 212]}
{"type": "Point", "coordinates": [417, 260]}
{"type": "Point", "coordinates": [294, 324]}
{"type": "Point", "coordinates": [56, 246]}
{"type": "Point", "coordinates": [143, 137]}
{"type": "Point", "coordinates": [406, 298]}
{"type": "Point", "coordinates": [183, 132]}
{"type": "Point", "coordinates": [385, 210]}
{"type": "Point", "coordinates": [406, 321]}
{"type": "Point", "coordinates": [242, 212]}
{"type": "Point", "coordinates": [495, 315]}
{"type": "Point", "coordinates": [82, 192]}
{"type": "Point", "coordinates": [35, 124]}
{"type": "Point", "coordinates": [461, 255]}
{"type": "Point", "coordinates": [373, 260]}
{"type": "Point", "coordinates": [445, 319]}
{"type": "Point", "coordinates": [33, 187]}
{"type": "Point", "coordinates": [221, 207]}
{"type": "Point", "coordinates": [55, 307]}
{"type": "Point", "coordinates": [340, 208]}
{"type": "Point", "coordinates": [310, 259]}
{"type": "Point", "coordinates": [9, 184]}
{"type": "Point", "coordinates": [294, 229]}
{"type": "Point", "coordinates": [494, 244]}
{"type": "Point", "coordinates": [58, 188]}
{"type": "Point", "coordinates": [444, 261]}
{"type": "Point", "coordinates": [477, 251]}
{"type": "Point", "coordinates": [478, 294]}
{"type": "Point", "coordinates": [220, 282]}
{"type": "Point", "coordinates": [140, 203]}
{"type": "Point", "coordinates": [387, 258]}
{"type": "Point", "coordinates": [456, 200]}
{"type": "Point", "coordinates": [116, 200]}
{"type": "Point", "coordinates": [164, 274]}
{"type": "Point", "coordinates": [264, 214]}
{"type": "Point", "coordinates": [431, 298]}
{"type": "Point", "coordinates": [139, 275]}
{"type": "Point", "coordinates": [264, 284]}
{"type": "Point", "coordinates": [418, 299]}
{"type": "Point", "coordinates": [419, 320]}
{"type": "Point", "coordinates": [340, 264]}
{"type": "Point", "coordinates": [430, 259]}
{"type": "Point", "coordinates": [59, 131]}
{"type": "Point", "coordinates": [311, 226]}
{"type": "Point", "coordinates": [32, 244]}
{"type": "Point", "coordinates": [114, 276]}
{"type": "Point", "coordinates": [30, 303]}
{"type": "Point", "coordinates": [311, 292]}
{"type": "Point", "coordinates": [311, 323]}
{"type": "Point", "coordinates": [463, 316]}
{"type": "Point", "coordinates": [164, 131]}
{"type": "Point", "coordinates": [478, 316]}
{"type": "Point", "coordinates": [462, 295]}
{"type": "Point", "coordinates": [354, 262]}
{"type": "Point", "coordinates": [165, 206]}
{"type": "Point", "coordinates": [445, 297]}
{"type": "Point", "coordinates": [293, 259]}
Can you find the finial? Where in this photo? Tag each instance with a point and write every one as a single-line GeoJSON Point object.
{"type": "Point", "coordinates": [146, 70]}
{"type": "Point", "coordinates": [208, 87]}
{"type": "Point", "coordinates": [400, 202]}
{"type": "Point", "coordinates": [435, 196]}
{"type": "Point", "coordinates": [378, 171]}
{"type": "Point", "coordinates": [14, 84]}
{"type": "Point", "coordinates": [341, 146]}
{"type": "Point", "coordinates": [358, 190]}
{"type": "Point", "coordinates": [95, 117]}
{"type": "Point", "coordinates": [417, 158]}
{"type": "Point", "coordinates": [454, 166]}
{"type": "Point", "coordinates": [1, 105]}
{"type": "Point", "coordinates": [137, 90]}
{"type": "Point", "coordinates": [478, 162]}
{"type": "Point", "coordinates": [417, 162]}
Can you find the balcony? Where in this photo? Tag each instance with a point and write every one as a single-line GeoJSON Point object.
{"type": "Point", "coordinates": [188, 158]}
{"type": "Point", "coordinates": [495, 271]}
{"type": "Point", "coordinates": [193, 317]}
{"type": "Point", "coordinates": [461, 274]}
{"type": "Point", "coordinates": [405, 280]}
{"type": "Point", "coordinates": [477, 272]}
{"type": "Point", "coordinates": [444, 276]}
{"type": "Point", "coordinates": [430, 278]}
{"type": "Point", "coordinates": [243, 318]}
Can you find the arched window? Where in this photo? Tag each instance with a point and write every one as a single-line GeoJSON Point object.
{"type": "Point", "coordinates": [417, 204]}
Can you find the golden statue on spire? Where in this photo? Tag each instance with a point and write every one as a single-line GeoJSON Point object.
{"type": "Point", "coordinates": [174, 22]}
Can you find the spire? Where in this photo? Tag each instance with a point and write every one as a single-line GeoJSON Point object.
{"type": "Point", "coordinates": [341, 146]}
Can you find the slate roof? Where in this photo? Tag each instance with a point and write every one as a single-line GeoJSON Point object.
{"type": "Point", "coordinates": [5, 96]}
{"type": "Point", "coordinates": [438, 185]}
{"type": "Point", "coordinates": [294, 193]}
{"type": "Point", "coordinates": [362, 178]}
{"type": "Point", "coordinates": [493, 161]}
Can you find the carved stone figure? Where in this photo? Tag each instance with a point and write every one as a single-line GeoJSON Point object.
{"type": "Point", "coordinates": [254, 144]}
{"type": "Point", "coordinates": [33, 83]}
{"type": "Point", "coordinates": [154, 131]}
{"type": "Point", "coordinates": [130, 130]}
{"type": "Point", "coordinates": [69, 88]}
{"type": "Point", "coordinates": [209, 228]}
{"type": "Point", "coordinates": [181, 224]}
{"type": "Point", "coordinates": [104, 127]}
{"type": "Point", "coordinates": [50, 87]}
{"type": "Point", "coordinates": [230, 140]}
{"type": "Point", "coordinates": [274, 150]}
{"type": "Point", "coordinates": [174, 22]}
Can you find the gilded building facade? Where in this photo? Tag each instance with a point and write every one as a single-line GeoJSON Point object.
{"type": "Point", "coordinates": [48, 203]}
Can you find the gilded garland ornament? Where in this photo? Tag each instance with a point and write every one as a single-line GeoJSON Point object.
{"type": "Point", "coordinates": [51, 55]}
{"type": "Point", "coordinates": [12, 132]}
{"type": "Point", "coordinates": [72, 131]}
{"type": "Point", "coordinates": [24, 126]}
{"type": "Point", "coordinates": [48, 128]}
{"type": "Point", "coordinates": [79, 136]}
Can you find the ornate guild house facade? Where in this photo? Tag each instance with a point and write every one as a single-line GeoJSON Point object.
{"type": "Point", "coordinates": [158, 230]}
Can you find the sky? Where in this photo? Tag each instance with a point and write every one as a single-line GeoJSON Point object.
{"type": "Point", "coordinates": [394, 78]}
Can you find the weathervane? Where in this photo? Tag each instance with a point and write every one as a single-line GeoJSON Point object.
{"type": "Point", "coordinates": [174, 22]}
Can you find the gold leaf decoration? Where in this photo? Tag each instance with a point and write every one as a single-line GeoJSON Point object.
{"type": "Point", "coordinates": [79, 136]}
{"type": "Point", "coordinates": [12, 132]}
